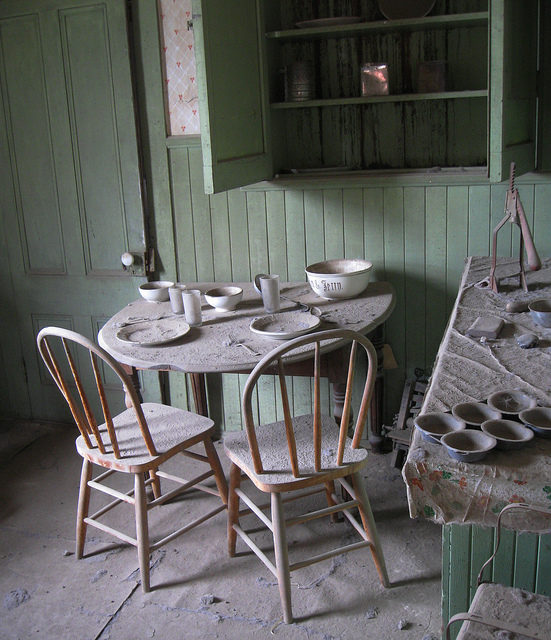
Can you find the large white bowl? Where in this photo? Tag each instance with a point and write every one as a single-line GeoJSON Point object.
{"type": "Point", "coordinates": [434, 425]}
{"type": "Point", "coordinates": [155, 291]}
{"type": "Point", "coordinates": [338, 279]}
{"type": "Point", "coordinates": [224, 298]}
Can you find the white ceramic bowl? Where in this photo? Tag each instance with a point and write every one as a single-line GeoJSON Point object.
{"type": "Point", "coordinates": [435, 424]}
{"type": "Point", "coordinates": [155, 291]}
{"type": "Point", "coordinates": [475, 413]}
{"type": "Point", "coordinates": [538, 419]}
{"type": "Point", "coordinates": [338, 279]}
{"type": "Point", "coordinates": [468, 445]}
{"type": "Point", "coordinates": [511, 402]}
{"type": "Point", "coordinates": [509, 434]}
{"type": "Point", "coordinates": [224, 298]}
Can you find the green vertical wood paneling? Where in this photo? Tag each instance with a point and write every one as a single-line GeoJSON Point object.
{"type": "Point", "coordinates": [333, 223]}
{"type": "Point", "coordinates": [182, 212]}
{"type": "Point", "coordinates": [201, 225]}
{"type": "Point", "coordinates": [543, 583]}
{"type": "Point", "coordinates": [374, 233]}
{"type": "Point", "coordinates": [353, 224]}
{"type": "Point", "coordinates": [239, 235]}
{"type": "Point", "coordinates": [479, 221]}
{"type": "Point", "coordinates": [456, 240]}
{"type": "Point", "coordinates": [258, 238]}
{"type": "Point", "coordinates": [295, 235]}
{"type": "Point", "coordinates": [414, 264]}
{"type": "Point", "coordinates": [526, 554]}
{"type": "Point", "coordinates": [394, 251]}
{"type": "Point", "coordinates": [313, 218]}
{"type": "Point", "coordinates": [460, 569]}
{"type": "Point", "coordinates": [542, 222]}
{"type": "Point", "coordinates": [505, 558]}
{"type": "Point", "coordinates": [221, 237]}
{"type": "Point", "coordinates": [277, 233]}
{"type": "Point", "coordinates": [435, 269]}
{"type": "Point", "coordinates": [482, 547]}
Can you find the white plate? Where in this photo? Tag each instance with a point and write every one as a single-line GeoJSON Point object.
{"type": "Point", "coordinates": [328, 22]}
{"type": "Point", "coordinates": [399, 9]}
{"type": "Point", "coordinates": [150, 333]}
{"type": "Point", "coordinates": [285, 325]}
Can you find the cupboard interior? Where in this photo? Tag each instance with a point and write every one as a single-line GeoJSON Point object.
{"type": "Point", "coordinates": [341, 130]}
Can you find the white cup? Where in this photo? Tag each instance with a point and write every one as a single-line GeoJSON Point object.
{"type": "Point", "coordinates": [269, 287]}
{"type": "Point", "coordinates": [192, 307]}
{"type": "Point", "coordinates": [176, 300]}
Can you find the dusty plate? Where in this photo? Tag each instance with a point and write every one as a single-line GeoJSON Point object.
{"type": "Point", "coordinates": [475, 413]}
{"type": "Point", "coordinates": [511, 402]}
{"type": "Point", "coordinates": [285, 325]}
{"type": "Point", "coordinates": [399, 9]}
{"type": "Point", "coordinates": [328, 22]}
{"type": "Point", "coordinates": [151, 333]}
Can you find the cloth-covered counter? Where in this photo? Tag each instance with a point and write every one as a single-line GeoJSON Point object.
{"type": "Point", "coordinates": [471, 369]}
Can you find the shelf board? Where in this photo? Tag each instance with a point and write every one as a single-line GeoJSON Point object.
{"type": "Point", "coordinates": [403, 97]}
{"type": "Point", "coordinates": [411, 24]}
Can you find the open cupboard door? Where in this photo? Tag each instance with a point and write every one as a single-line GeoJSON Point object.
{"type": "Point", "coordinates": [232, 104]}
{"type": "Point", "coordinates": [513, 102]}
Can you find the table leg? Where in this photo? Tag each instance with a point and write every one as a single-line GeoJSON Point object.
{"type": "Point", "coordinates": [133, 375]}
{"type": "Point", "coordinates": [198, 388]}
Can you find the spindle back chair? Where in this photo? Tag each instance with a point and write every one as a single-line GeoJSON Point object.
{"type": "Point", "coordinates": [135, 441]}
{"type": "Point", "coordinates": [301, 452]}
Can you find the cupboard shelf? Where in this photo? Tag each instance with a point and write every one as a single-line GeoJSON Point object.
{"type": "Point", "coordinates": [449, 21]}
{"type": "Point", "coordinates": [405, 97]}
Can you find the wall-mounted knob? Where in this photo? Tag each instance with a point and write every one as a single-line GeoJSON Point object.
{"type": "Point", "coordinates": [127, 259]}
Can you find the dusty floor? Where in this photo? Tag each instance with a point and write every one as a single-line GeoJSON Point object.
{"type": "Point", "coordinates": [46, 593]}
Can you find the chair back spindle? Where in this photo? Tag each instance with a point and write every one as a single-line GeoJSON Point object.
{"type": "Point", "coordinates": [322, 340]}
{"type": "Point", "coordinates": [84, 414]}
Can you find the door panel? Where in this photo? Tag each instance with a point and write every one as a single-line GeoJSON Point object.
{"type": "Point", "coordinates": [232, 100]}
{"type": "Point", "coordinates": [70, 188]}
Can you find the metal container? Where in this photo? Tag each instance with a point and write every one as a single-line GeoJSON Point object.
{"type": "Point", "coordinates": [431, 76]}
{"type": "Point", "coordinates": [374, 79]}
{"type": "Point", "coordinates": [299, 81]}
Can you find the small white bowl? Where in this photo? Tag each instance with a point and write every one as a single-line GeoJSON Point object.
{"type": "Point", "coordinates": [538, 419]}
{"type": "Point", "coordinates": [540, 310]}
{"type": "Point", "coordinates": [224, 298]}
{"type": "Point", "coordinates": [475, 413]}
{"type": "Point", "coordinates": [468, 445]}
{"type": "Point", "coordinates": [435, 424]}
{"type": "Point", "coordinates": [339, 279]}
{"type": "Point", "coordinates": [509, 434]}
{"type": "Point", "coordinates": [511, 402]}
{"type": "Point", "coordinates": [155, 291]}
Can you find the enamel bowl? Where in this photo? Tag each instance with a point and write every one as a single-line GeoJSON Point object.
{"type": "Point", "coordinates": [434, 425]}
{"type": "Point", "coordinates": [540, 310]}
{"type": "Point", "coordinates": [339, 279]}
{"type": "Point", "coordinates": [224, 298]}
{"type": "Point", "coordinates": [155, 291]}
{"type": "Point", "coordinates": [509, 434]}
{"type": "Point", "coordinates": [511, 402]}
{"type": "Point", "coordinates": [468, 445]}
{"type": "Point", "coordinates": [475, 413]}
{"type": "Point", "coordinates": [538, 419]}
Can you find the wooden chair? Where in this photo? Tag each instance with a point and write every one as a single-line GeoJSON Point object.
{"type": "Point", "coordinates": [299, 453]}
{"type": "Point", "coordinates": [137, 441]}
{"type": "Point", "coordinates": [495, 607]}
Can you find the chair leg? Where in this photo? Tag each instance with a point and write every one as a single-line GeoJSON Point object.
{"type": "Point", "coordinates": [142, 531]}
{"type": "Point", "coordinates": [281, 557]}
{"type": "Point", "coordinates": [369, 526]}
{"type": "Point", "coordinates": [329, 490]}
{"type": "Point", "coordinates": [83, 506]}
{"type": "Point", "coordinates": [155, 483]}
{"type": "Point", "coordinates": [233, 507]}
{"type": "Point", "coordinates": [219, 476]}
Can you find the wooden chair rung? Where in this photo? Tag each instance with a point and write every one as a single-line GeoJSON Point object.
{"type": "Point", "coordinates": [320, 513]}
{"type": "Point", "coordinates": [187, 527]}
{"type": "Point", "coordinates": [252, 506]}
{"type": "Point", "coordinates": [114, 532]}
{"type": "Point", "coordinates": [328, 554]}
{"type": "Point", "coordinates": [255, 548]}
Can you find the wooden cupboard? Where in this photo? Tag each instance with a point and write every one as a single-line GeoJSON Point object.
{"type": "Point", "coordinates": [485, 117]}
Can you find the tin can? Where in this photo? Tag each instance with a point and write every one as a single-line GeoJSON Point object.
{"type": "Point", "coordinates": [299, 81]}
{"type": "Point", "coordinates": [374, 79]}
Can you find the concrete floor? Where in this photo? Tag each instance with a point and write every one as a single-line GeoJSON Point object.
{"type": "Point", "coordinates": [46, 593]}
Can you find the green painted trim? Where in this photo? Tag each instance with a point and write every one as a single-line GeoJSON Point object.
{"type": "Point", "coordinates": [428, 22]}
{"type": "Point", "coordinates": [352, 180]}
{"type": "Point", "coordinates": [395, 97]}
{"type": "Point", "coordinates": [178, 142]}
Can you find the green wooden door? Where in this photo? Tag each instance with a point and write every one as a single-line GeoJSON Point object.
{"type": "Point", "coordinates": [70, 186]}
{"type": "Point", "coordinates": [513, 68]}
{"type": "Point", "coordinates": [232, 103]}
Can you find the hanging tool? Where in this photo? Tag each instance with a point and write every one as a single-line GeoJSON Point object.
{"type": "Point", "coordinates": [514, 213]}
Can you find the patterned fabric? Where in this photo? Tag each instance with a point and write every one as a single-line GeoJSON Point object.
{"type": "Point", "coordinates": [468, 369]}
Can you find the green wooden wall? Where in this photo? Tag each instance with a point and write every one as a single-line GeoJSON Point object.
{"type": "Point", "coordinates": [416, 233]}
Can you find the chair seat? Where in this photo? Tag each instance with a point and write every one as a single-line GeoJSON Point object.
{"type": "Point", "coordinates": [528, 611]}
{"type": "Point", "coordinates": [170, 428]}
{"type": "Point", "coordinates": [277, 475]}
